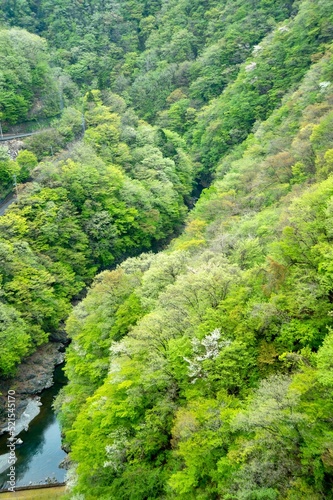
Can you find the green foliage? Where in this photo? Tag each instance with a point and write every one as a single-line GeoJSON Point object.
{"type": "Point", "coordinates": [82, 212]}
{"type": "Point", "coordinates": [218, 379]}
{"type": "Point", "coordinates": [26, 79]}
{"type": "Point", "coordinates": [275, 67]}
{"type": "Point", "coordinates": [26, 160]}
{"type": "Point", "coordinates": [6, 171]}
{"type": "Point", "coordinates": [15, 339]}
{"type": "Point", "coordinates": [203, 371]}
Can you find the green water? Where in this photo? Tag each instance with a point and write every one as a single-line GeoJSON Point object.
{"type": "Point", "coordinates": [40, 454]}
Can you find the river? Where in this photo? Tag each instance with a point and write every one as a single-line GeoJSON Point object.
{"type": "Point", "coordinates": [40, 454]}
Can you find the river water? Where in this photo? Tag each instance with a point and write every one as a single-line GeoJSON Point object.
{"type": "Point", "coordinates": [40, 454]}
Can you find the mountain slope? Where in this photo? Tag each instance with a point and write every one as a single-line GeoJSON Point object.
{"type": "Point", "coordinates": [203, 371]}
{"type": "Point", "coordinates": [218, 349]}
{"type": "Point", "coordinates": [29, 89]}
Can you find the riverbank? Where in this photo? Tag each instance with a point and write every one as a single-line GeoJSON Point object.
{"type": "Point", "coordinates": [34, 375]}
{"type": "Point", "coordinates": [35, 493]}
{"type": "Point", "coordinates": [40, 458]}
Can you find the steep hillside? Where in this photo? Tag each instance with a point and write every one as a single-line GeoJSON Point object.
{"type": "Point", "coordinates": [125, 186]}
{"type": "Point", "coordinates": [112, 195]}
{"type": "Point", "coordinates": [203, 371]}
{"type": "Point", "coordinates": [157, 45]}
{"type": "Point", "coordinates": [209, 371]}
{"type": "Point", "coordinates": [29, 88]}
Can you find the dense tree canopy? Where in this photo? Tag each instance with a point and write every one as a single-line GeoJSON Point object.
{"type": "Point", "coordinates": [113, 195]}
{"type": "Point", "coordinates": [217, 384]}
{"type": "Point", "coordinates": [203, 371]}
{"type": "Point", "coordinates": [28, 87]}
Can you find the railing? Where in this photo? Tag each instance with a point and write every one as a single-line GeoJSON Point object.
{"type": "Point", "coordinates": [8, 137]}
{"type": "Point", "coordinates": [6, 493]}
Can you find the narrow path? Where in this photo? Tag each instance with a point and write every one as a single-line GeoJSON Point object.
{"type": "Point", "coordinates": [7, 137]}
{"type": "Point", "coordinates": [4, 204]}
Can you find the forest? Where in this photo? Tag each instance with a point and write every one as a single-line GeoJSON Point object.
{"type": "Point", "coordinates": [181, 196]}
